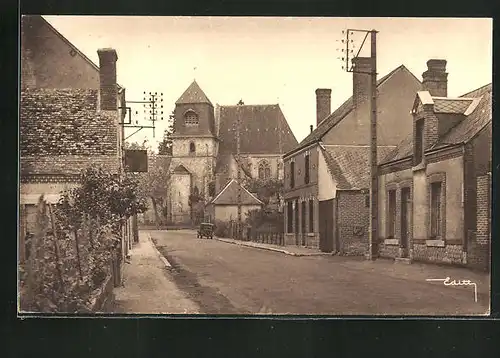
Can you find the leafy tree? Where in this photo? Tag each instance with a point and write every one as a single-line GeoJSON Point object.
{"type": "Point", "coordinates": [165, 147]}
{"type": "Point", "coordinates": [266, 189]}
{"type": "Point", "coordinates": [196, 202]}
{"type": "Point", "coordinates": [155, 185]}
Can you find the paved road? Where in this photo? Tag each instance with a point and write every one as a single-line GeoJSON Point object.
{"type": "Point", "coordinates": [230, 279]}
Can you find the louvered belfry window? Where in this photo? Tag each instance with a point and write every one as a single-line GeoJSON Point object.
{"type": "Point", "coordinates": [191, 118]}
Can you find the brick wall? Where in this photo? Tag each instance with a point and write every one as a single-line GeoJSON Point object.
{"type": "Point", "coordinates": [479, 241]}
{"type": "Point", "coordinates": [353, 222]}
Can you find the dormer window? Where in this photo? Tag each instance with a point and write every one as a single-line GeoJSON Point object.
{"type": "Point", "coordinates": [419, 141]}
{"type": "Point", "coordinates": [191, 118]}
{"type": "Point", "coordinates": [192, 148]}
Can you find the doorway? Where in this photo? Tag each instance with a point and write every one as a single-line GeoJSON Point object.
{"type": "Point", "coordinates": [326, 225]}
{"type": "Point", "coordinates": [405, 220]}
{"type": "Point", "coordinates": [296, 214]}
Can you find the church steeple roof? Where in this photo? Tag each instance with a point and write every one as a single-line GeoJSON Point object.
{"type": "Point", "coordinates": [193, 94]}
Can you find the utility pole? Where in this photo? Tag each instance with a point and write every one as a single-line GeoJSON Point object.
{"type": "Point", "coordinates": [373, 231]}
{"type": "Point", "coordinates": [238, 169]}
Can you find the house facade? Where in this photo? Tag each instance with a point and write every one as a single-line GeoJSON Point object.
{"type": "Point", "coordinates": [434, 188]}
{"type": "Point", "coordinates": [69, 118]}
{"type": "Point", "coordinates": [224, 206]}
{"type": "Point", "coordinates": [204, 149]}
{"type": "Point", "coordinates": [327, 174]}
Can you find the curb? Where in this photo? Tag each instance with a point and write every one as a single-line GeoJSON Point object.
{"type": "Point", "coordinates": [162, 258]}
{"type": "Point", "coordinates": [271, 249]}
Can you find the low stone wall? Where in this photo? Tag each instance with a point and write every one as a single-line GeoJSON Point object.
{"type": "Point", "coordinates": [388, 251]}
{"type": "Point", "coordinates": [449, 254]}
{"type": "Point", "coordinates": [103, 298]}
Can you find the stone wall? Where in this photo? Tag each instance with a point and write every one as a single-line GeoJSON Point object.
{"type": "Point", "coordinates": [451, 254]}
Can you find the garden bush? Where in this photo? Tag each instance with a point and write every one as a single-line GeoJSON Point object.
{"type": "Point", "coordinates": [75, 241]}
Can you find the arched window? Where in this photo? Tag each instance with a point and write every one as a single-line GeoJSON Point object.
{"type": "Point", "coordinates": [191, 118]}
{"type": "Point", "coordinates": [192, 148]}
{"type": "Point", "coordinates": [264, 170]}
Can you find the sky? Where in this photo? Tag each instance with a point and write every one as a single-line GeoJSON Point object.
{"type": "Point", "coordinates": [269, 60]}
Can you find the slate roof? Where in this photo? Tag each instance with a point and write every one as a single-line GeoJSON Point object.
{"type": "Point", "coordinates": [464, 131]}
{"type": "Point", "coordinates": [264, 130]}
{"type": "Point", "coordinates": [193, 94]}
{"type": "Point", "coordinates": [455, 106]}
{"type": "Point", "coordinates": [350, 165]}
{"type": "Point", "coordinates": [340, 113]}
{"type": "Point", "coordinates": [229, 195]}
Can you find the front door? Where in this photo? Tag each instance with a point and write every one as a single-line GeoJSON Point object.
{"type": "Point", "coordinates": [405, 224]}
{"type": "Point", "coordinates": [326, 225]}
{"type": "Point", "coordinates": [296, 214]}
{"type": "Point", "coordinates": [303, 222]}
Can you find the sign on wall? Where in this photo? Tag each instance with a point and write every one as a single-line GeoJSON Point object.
{"type": "Point", "coordinates": [136, 160]}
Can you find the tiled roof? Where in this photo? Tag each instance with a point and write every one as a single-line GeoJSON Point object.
{"type": "Point", "coordinates": [229, 195]}
{"type": "Point", "coordinates": [464, 131]}
{"type": "Point", "coordinates": [403, 150]}
{"type": "Point", "coordinates": [193, 94]}
{"type": "Point", "coordinates": [350, 165]}
{"type": "Point", "coordinates": [445, 105]}
{"type": "Point", "coordinates": [469, 127]}
{"type": "Point", "coordinates": [340, 113]}
{"type": "Point", "coordinates": [264, 130]}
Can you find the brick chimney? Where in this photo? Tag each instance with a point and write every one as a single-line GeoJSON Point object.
{"type": "Point", "coordinates": [435, 79]}
{"type": "Point", "coordinates": [323, 104]}
{"type": "Point", "coordinates": [108, 90]}
{"type": "Point", "coordinates": [361, 79]}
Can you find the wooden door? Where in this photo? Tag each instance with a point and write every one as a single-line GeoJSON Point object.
{"type": "Point", "coordinates": [326, 226]}
{"type": "Point", "coordinates": [405, 222]}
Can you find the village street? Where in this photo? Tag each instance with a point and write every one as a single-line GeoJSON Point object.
{"type": "Point", "coordinates": [223, 278]}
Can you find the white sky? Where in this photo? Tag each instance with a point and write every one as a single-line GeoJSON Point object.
{"type": "Point", "coordinates": [272, 60]}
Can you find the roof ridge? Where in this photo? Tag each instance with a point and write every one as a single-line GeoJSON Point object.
{"type": "Point", "coordinates": [249, 105]}
{"type": "Point", "coordinates": [477, 89]}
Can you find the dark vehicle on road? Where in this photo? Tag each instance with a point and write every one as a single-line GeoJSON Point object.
{"type": "Point", "coordinates": [206, 230]}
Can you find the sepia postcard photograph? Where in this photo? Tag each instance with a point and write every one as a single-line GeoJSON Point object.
{"type": "Point", "coordinates": [254, 166]}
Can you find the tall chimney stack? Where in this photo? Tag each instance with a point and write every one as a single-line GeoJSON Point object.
{"type": "Point", "coordinates": [435, 79]}
{"type": "Point", "coordinates": [107, 75]}
{"type": "Point", "coordinates": [361, 79]}
{"type": "Point", "coordinates": [323, 104]}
